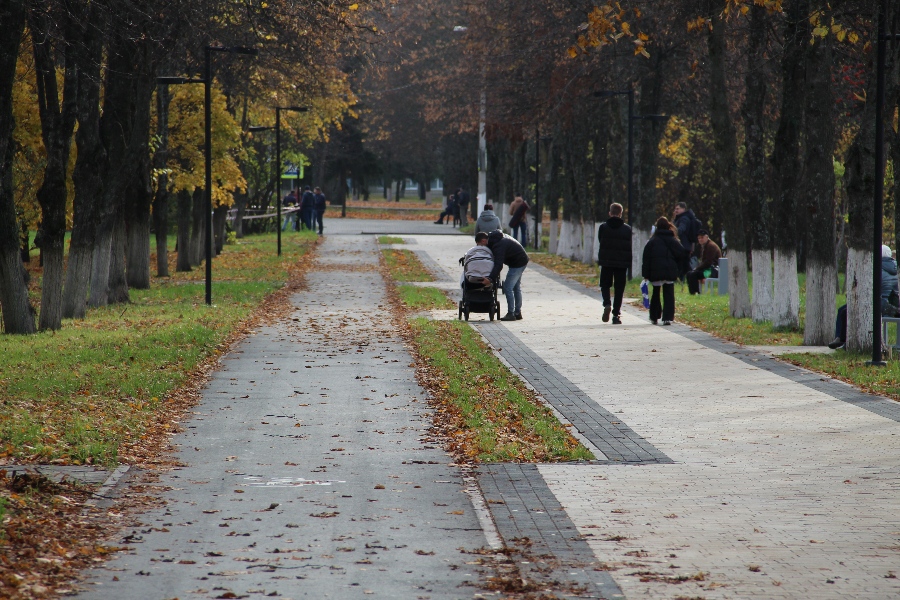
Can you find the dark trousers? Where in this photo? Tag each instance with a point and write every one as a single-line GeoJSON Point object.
{"type": "Point", "coordinates": [840, 324]}
{"type": "Point", "coordinates": [319, 214]}
{"type": "Point", "coordinates": [694, 277]}
{"type": "Point", "coordinates": [613, 277]}
{"type": "Point", "coordinates": [667, 309]}
{"type": "Point", "coordinates": [307, 217]}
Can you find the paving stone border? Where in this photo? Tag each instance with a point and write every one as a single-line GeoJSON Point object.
{"type": "Point", "coordinates": [606, 431]}
{"type": "Point", "coordinates": [881, 406]}
{"type": "Point", "coordinates": [523, 506]}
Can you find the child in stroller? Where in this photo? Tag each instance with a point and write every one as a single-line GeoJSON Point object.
{"type": "Point", "coordinates": [479, 293]}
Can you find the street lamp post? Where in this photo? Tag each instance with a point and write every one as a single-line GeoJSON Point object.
{"type": "Point", "coordinates": [278, 165]}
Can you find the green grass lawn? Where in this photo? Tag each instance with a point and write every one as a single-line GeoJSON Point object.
{"type": "Point", "coordinates": [403, 265]}
{"type": "Point", "coordinates": [78, 395]}
{"type": "Point", "coordinates": [424, 298]}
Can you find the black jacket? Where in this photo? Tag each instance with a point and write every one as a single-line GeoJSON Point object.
{"type": "Point", "coordinates": [688, 225]}
{"type": "Point", "coordinates": [663, 258]}
{"type": "Point", "coordinates": [507, 251]}
{"type": "Point", "coordinates": [319, 202]}
{"type": "Point", "coordinates": [307, 200]}
{"type": "Point", "coordinates": [614, 249]}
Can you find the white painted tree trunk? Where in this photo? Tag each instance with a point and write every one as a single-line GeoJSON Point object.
{"type": "Point", "coordinates": [763, 304]}
{"type": "Point", "coordinates": [787, 291]}
{"type": "Point", "coordinates": [859, 300]}
{"type": "Point", "coordinates": [567, 239]}
{"type": "Point", "coordinates": [820, 308]}
{"type": "Point", "coordinates": [639, 238]}
{"type": "Point", "coordinates": [587, 242]}
{"type": "Point", "coordinates": [502, 211]}
{"type": "Point", "coordinates": [738, 289]}
{"type": "Point", "coordinates": [554, 236]}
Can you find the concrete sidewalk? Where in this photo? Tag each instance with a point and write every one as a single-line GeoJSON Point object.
{"type": "Point", "coordinates": [723, 473]}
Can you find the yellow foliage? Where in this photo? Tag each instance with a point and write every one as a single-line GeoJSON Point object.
{"type": "Point", "coordinates": [30, 157]}
{"type": "Point", "coordinates": [186, 143]}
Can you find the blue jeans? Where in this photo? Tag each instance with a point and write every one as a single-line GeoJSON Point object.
{"type": "Point", "coordinates": [512, 288]}
{"type": "Point", "coordinates": [520, 232]}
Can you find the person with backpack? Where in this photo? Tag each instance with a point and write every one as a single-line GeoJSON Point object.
{"type": "Point", "coordinates": [688, 226]}
{"type": "Point", "coordinates": [307, 206]}
{"type": "Point", "coordinates": [518, 223]}
{"type": "Point", "coordinates": [614, 258]}
{"type": "Point", "coordinates": [663, 263]}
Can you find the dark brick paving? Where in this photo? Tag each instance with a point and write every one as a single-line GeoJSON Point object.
{"type": "Point", "coordinates": [838, 390]}
{"type": "Point", "coordinates": [524, 507]}
{"type": "Point", "coordinates": [603, 429]}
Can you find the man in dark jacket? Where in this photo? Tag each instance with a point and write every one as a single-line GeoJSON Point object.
{"type": "Point", "coordinates": [307, 207]}
{"type": "Point", "coordinates": [507, 251]}
{"type": "Point", "coordinates": [710, 253]}
{"type": "Point", "coordinates": [462, 200]}
{"type": "Point", "coordinates": [319, 206]}
{"type": "Point", "coordinates": [688, 226]}
{"type": "Point", "coordinates": [614, 258]}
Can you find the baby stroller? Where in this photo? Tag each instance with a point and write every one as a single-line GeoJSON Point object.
{"type": "Point", "coordinates": [476, 297]}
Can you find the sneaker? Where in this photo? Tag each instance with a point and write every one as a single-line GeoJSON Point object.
{"type": "Point", "coordinates": [616, 320]}
{"type": "Point", "coordinates": [438, 222]}
{"type": "Point", "coordinates": [508, 317]}
{"type": "Point", "coordinates": [654, 321]}
{"type": "Point", "coordinates": [518, 316]}
{"type": "Point", "coordinates": [606, 311]}
{"type": "Point", "coordinates": [667, 322]}
{"type": "Point", "coordinates": [836, 343]}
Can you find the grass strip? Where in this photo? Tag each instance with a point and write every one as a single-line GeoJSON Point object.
{"type": "Point", "coordinates": [487, 412]}
{"type": "Point", "coordinates": [97, 387]}
{"type": "Point", "coordinates": [851, 367]}
{"type": "Point", "coordinates": [389, 239]}
{"type": "Point", "coordinates": [404, 265]}
{"type": "Point", "coordinates": [424, 298]}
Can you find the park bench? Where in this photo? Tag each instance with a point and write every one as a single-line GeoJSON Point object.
{"type": "Point", "coordinates": [721, 282]}
{"type": "Point", "coordinates": [884, 334]}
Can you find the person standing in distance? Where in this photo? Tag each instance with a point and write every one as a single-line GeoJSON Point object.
{"type": "Point", "coordinates": [462, 200]}
{"type": "Point", "coordinates": [614, 258]}
{"type": "Point", "coordinates": [307, 203]}
{"type": "Point", "coordinates": [487, 220]}
{"type": "Point", "coordinates": [319, 206]}
{"type": "Point", "coordinates": [507, 251]}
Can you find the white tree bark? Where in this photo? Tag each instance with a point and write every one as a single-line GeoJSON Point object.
{"type": "Point", "coordinates": [554, 236]}
{"type": "Point", "coordinates": [502, 210]}
{"type": "Point", "coordinates": [567, 239]}
{"type": "Point", "coordinates": [787, 291]}
{"type": "Point", "coordinates": [820, 308]}
{"type": "Point", "coordinates": [738, 290]}
{"type": "Point", "coordinates": [639, 238]}
{"type": "Point", "coordinates": [763, 304]}
{"type": "Point", "coordinates": [859, 300]}
{"type": "Point", "coordinates": [588, 237]}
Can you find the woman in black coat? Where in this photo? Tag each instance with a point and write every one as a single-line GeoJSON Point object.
{"type": "Point", "coordinates": [663, 262]}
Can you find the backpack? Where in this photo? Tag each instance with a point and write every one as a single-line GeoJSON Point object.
{"type": "Point", "coordinates": [696, 226]}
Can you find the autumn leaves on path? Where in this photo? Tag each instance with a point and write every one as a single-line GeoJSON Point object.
{"type": "Point", "coordinates": [308, 469]}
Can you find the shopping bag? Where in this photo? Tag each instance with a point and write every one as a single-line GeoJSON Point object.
{"type": "Point", "coordinates": [645, 293]}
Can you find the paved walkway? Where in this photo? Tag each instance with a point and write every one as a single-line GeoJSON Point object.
{"type": "Point", "coordinates": [720, 472]}
{"type": "Point", "coordinates": [780, 485]}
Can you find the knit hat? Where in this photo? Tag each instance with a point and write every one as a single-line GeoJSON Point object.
{"type": "Point", "coordinates": [885, 251]}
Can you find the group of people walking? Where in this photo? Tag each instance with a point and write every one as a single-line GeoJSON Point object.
{"type": "Point", "coordinates": [666, 258]}
{"type": "Point", "coordinates": [312, 205]}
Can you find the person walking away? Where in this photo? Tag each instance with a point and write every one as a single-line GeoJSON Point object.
{"type": "Point", "coordinates": [614, 258]}
{"type": "Point", "coordinates": [687, 227]}
{"type": "Point", "coordinates": [890, 297]}
{"type": "Point", "coordinates": [708, 263]}
{"type": "Point", "coordinates": [662, 264]}
{"type": "Point", "coordinates": [319, 206]}
{"type": "Point", "coordinates": [507, 251]}
{"type": "Point", "coordinates": [487, 221]}
{"type": "Point", "coordinates": [462, 202]}
{"type": "Point", "coordinates": [289, 200]}
{"type": "Point", "coordinates": [448, 210]}
{"type": "Point", "coordinates": [518, 222]}
{"type": "Point", "coordinates": [307, 204]}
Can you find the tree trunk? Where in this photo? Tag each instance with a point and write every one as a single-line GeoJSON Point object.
{"type": "Point", "coordinates": [220, 217]}
{"type": "Point", "coordinates": [140, 198]}
{"type": "Point", "coordinates": [821, 267]}
{"type": "Point", "coordinates": [57, 125]}
{"type": "Point", "coordinates": [161, 199]}
{"type": "Point", "coordinates": [787, 167]}
{"type": "Point", "coordinates": [725, 145]}
{"type": "Point", "coordinates": [198, 227]}
{"type": "Point", "coordinates": [18, 315]}
{"type": "Point", "coordinates": [649, 133]}
{"type": "Point", "coordinates": [118, 285]}
{"type": "Point", "coordinates": [86, 176]}
{"type": "Point", "coordinates": [757, 210]}
{"type": "Point", "coordinates": [183, 243]}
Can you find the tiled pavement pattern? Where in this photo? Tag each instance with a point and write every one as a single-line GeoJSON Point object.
{"type": "Point", "coordinates": [617, 441]}
{"type": "Point", "coordinates": [524, 507]}
{"type": "Point", "coordinates": [781, 487]}
{"type": "Point", "coordinates": [57, 473]}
